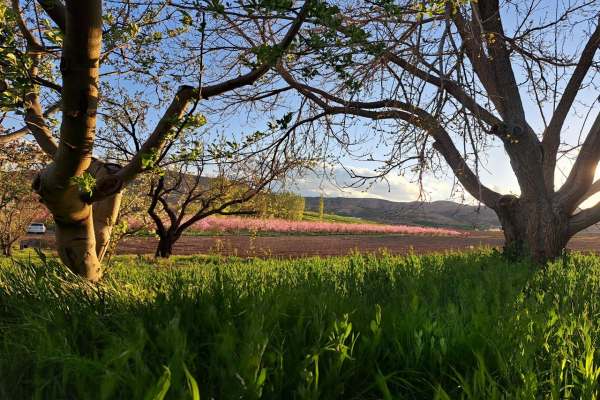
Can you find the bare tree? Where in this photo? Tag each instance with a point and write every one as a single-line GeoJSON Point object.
{"type": "Point", "coordinates": [147, 46]}
{"type": "Point", "coordinates": [445, 81]}
{"type": "Point", "coordinates": [183, 196]}
{"type": "Point", "coordinates": [133, 218]}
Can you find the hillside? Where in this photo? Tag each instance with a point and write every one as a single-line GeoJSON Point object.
{"type": "Point", "coordinates": [437, 213]}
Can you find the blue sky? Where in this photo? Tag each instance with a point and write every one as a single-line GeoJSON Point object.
{"type": "Point", "coordinates": [495, 171]}
{"type": "Point", "coordinates": [495, 167]}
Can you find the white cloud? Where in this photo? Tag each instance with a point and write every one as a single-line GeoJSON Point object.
{"type": "Point", "coordinates": [336, 182]}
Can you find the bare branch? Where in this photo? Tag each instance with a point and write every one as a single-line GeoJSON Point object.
{"type": "Point", "coordinates": [393, 109]}
{"type": "Point", "coordinates": [12, 136]}
{"type": "Point", "coordinates": [485, 29]}
{"type": "Point", "coordinates": [584, 219]}
{"type": "Point", "coordinates": [448, 85]}
{"type": "Point", "coordinates": [186, 93]}
{"type": "Point", "coordinates": [582, 174]}
{"type": "Point", "coordinates": [551, 139]}
{"type": "Point", "coordinates": [56, 11]}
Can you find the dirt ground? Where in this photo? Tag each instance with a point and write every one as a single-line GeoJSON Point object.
{"type": "Point", "coordinates": [327, 245]}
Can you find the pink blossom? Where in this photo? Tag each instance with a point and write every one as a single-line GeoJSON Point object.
{"type": "Point", "coordinates": [236, 224]}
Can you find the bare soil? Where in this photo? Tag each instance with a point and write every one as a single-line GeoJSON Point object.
{"type": "Point", "coordinates": [328, 245]}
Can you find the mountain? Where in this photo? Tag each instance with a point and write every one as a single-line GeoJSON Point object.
{"type": "Point", "coordinates": [437, 213]}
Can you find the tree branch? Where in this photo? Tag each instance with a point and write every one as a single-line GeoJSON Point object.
{"type": "Point", "coordinates": [32, 44]}
{"type": "Point", "coordinates": [551, 138]}
{"type": "Point", "coordinates": [79, 67]}
{"type": "Point", "coordinates": [36, 123]}
{"type": "Point", "coordinates": [185, 94]}
{"type": "Point", "coordinates": [584, 219]}
{"type": "Point", "coordinates": [19, 133]}
{"type": "Point", "coordinates": [56, 11]}
{"type": "Point", "coordinates": [582, 173]}
{"type": "Point", "coordinates": [594, 188]}
{"type": "Point", "coordinates": [411, 114]}
{"type": "Point", "coordinates": [449, 86]}
{"type": "Point", "coordinates": [12, 136]}
{"type": "Point", "coordinates": [494, 71]}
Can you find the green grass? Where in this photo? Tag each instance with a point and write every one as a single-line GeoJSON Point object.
{"type": "Point", "coordinates": [314, 216]}
{"type": "Point", "coordinates": [461, 325]}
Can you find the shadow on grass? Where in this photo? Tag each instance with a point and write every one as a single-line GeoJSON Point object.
{"type": "Point", "coordinates": [458, 325]}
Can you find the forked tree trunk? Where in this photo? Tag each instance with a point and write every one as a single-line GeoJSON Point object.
{"type": "Point", "coordinates": [83, 231]}
{"type": "Point", "coordinates": [164, 249]}
{"type": "Point", "coordinates": [532, 228]}
{"type": "Point", "coordinates": [7, 250]}
{"type": "Point", "coordinates": [76, 245]}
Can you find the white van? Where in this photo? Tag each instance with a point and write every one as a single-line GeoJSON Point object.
{"type": "Point", "coordinates": [37, 227]}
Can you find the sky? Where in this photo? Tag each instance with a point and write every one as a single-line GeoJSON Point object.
{"type": "Point", "coordinates": [495, 172]}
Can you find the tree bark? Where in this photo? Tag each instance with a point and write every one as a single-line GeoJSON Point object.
{"type": "Point", "coordinates": [75, 234]}
{"type": "Point", "coordinates": [534, 228]}
{"type": "Point", "coordinates": [76, 244]}
{"type": "Point", "coordinates": [7, 250]}
{"type": "Point", "coordinates": [164, 249]}
{"type": "Point", "coordinates": [106, 213]}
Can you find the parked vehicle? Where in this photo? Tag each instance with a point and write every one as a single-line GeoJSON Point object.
{"type": "Point", "coordinates": [37, 228]}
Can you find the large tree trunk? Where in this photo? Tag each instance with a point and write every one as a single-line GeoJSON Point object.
{"type": "Point", "coordinates": [7, 250]}
{"type": "Point", "coordinates": [165, 246]}
{"type": "Point", "coordinates": [72, 212]}
{"type": "Point", "coordinates": [76, 245]}
{"type": "Point", "coordinates": [83, 230]}
{"type": "Point", "coordinates": [75, 237]}
{"type": "Point", "coordinates": [533, 228]}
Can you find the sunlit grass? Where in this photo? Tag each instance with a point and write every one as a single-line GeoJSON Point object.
{"type": "Point", "coordinates": [314, 216]}
{"type": "Point", "coordinates": [468, 325]}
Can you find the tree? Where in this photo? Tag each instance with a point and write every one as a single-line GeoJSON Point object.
{"type": "Point", "coordinates": [133, 215]}
{"type": "Point", "coordinates": [442, 82]}
{"type": "Point", "coordinates": [68, 53]}
{"type": "Point", "coordinates": [182, 194]}
{"type": "Point", "coordinates": [19, 207]}
{"type": "Point", "coordinates": [203, 173]}
{"type": "Point", "coordinates": [278, 204]}
{"type": "Point", "coordinates": [321, 207]}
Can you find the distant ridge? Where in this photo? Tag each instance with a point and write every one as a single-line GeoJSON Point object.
{"type": "Point", "coordinates": [437, 213]}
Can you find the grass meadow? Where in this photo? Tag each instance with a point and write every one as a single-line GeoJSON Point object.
{"type": "Point", "coordinates": [452, 326]}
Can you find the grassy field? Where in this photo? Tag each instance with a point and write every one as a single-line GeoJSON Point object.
{"type": "Point", "coordinates": [463, 325]}
{"type": "Point", "coordinates": [314, 216]}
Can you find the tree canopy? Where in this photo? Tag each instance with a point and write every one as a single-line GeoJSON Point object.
{"type": "Point", "coordinates": [113, 89]}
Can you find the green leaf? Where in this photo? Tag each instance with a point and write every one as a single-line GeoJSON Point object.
{"type": "Point", "coordinates": [86, 183]}
{"type": "Point", "coordinates": [162, 386]}
{"type": "Point", "coordinates": [186, 19]}
{"type": "Point", "coordinates": [148, 159]}
{"type": "Point", "coordinates": [11, 58]}
{"type": "Point", "coordinates": [192, 384]}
